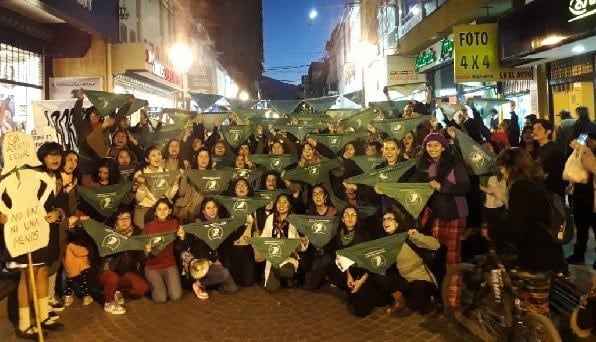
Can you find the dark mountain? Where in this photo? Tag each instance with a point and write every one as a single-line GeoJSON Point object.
{"type": "Point", "coordinates": [278, 90]}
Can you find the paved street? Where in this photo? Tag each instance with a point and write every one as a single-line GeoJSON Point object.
{"type": "Point", "coordinates": [250, 315]}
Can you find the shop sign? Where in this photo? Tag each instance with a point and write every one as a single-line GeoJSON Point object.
{"type": "Point", "coordinates": [428, 58]}
{"type": "Point", "coordinates": [476, 51]}
{"type": "Point", "coordinates": [400, 70]}
{"type": "Point", "coordinates": [581, 9]}
{"type": "Point", "coordinates": [516, 74]}
{"type": "Point", "coordinates": [161, 70]}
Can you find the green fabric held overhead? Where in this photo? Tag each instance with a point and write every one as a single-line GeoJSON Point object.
{"type": "Point", "coordinates": [214, 232]}
{"type": "Point", "coordinates": [210, 118]}
{"type": "Point", "coordinates": [158, 241]}
{"type": "Point", "coordinates": [376, 255]}
{"type": "Point", "coordinates": [363, 211]}
{"type": "Point", "coordinates": [398, 128]}
{"type": "Point", "coordinates": [251, 175]}
{"type": "Point", "coordinates": [166, 132]}
{"type": "Point", "coordinates": [245, 114]}
{"type": "Point", "coordinates": [390, 107]}
{"type": "Point", "coordinates": [321, 104]}
{"type": "Point", "coordinates": [367, 163]}
{"type": "Point", "coordinates": [159, 182]}
{"type": "Point", "coordinates": [237, 103]}
{"type": "Point", "coordinates": [314, 174]}
{"type": "Point", "coordinates": [273, 162]}
{"type": "Point", "coordinates": [284, 106]}
{"type": "Point", "coordinates": [339, 114]}
{"type": "Point", "coordinates": [384, 175]}
{"type": "Point", "coordinates": [359, 122]}
{"type": "Point", "coordinates": [106, 102]}
{"type": "Point", "coordinates": [478, 160]}
{"type": "Point", "coordinates": [412, 196]}
{"type": "Point", "coordinates": [105, 199]}
{"type": "Point", "coordinates": [237, 206]}
{"type": "Point", "coordinates": [236, 135]}
{"type": "Point", "coordinates": [275, 250]}
{"type": "Point", "coordinates": [270, 195]}
{"type": "Point", "coordinates": [318, 229]}
{"type": "Point", "coordinates": [136, 105]}
{"type": "Point", "coordinates": [265, 122]}
{"type": "Point", "coordinates": [109, 241]}
{"type": "Point", "coordinates": [210, 182]}
{"type": "Point", "coordinates": [336, 142]}
{"type": "Point", "coordinates": [204, 101]}
{"type": "Point", "coordinates": [300, 132]}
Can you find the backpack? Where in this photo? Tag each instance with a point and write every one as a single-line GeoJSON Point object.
{"type": "Point", "coordinates": [559, 222]}
{"type": "Point", "coordinates": [434, 260]}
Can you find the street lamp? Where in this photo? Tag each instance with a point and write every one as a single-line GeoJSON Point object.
{"type": "Point", "coordinates": [243, 96]}
{"type": "Point", "coordinates": [181, 57]}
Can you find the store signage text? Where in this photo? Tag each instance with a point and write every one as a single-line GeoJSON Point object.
{"type": "Point", "coordinates": [476, 53]}
{"type": "Point", "coordinates": [161, 70]}
{"type": "Point", "coordinates": [428, 57]}
{"type": "Point", "coordinates": [87, 4]}
{"type": "Point", "coordinates": [581, 9]}
{"type": "Point", "coordinates": [516, 74]}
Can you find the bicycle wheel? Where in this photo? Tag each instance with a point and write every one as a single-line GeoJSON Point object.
{"type": "Point", "coordinates": [536, 327]}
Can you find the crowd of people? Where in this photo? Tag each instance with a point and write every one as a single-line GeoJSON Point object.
{"type": "Point", "coordinates": [507, 207]}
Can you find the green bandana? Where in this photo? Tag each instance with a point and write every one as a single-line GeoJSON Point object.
{"type": "Point", "coordinates": [245, 114]}
{"type": "Point", "coordinates": [272, 161]}
{"type": "Point", "coordinates": [339, 114]}
{"type": "Point", "coordinates": [376, 255]}
{"type": "Point", "coordinates": [210, 182]}
{"type": "Point", "coordinates": [318, 229]}
{"type": "Point", "coordinates": [270, 195]}
{"type": "Point", "coordinates": [346, 238]}
{"type": "Point", "coordinates": [275, 250]}
{"type": "Point", "coordinates": [413, 196]}
{"type": "Point", "coordinates": [104, 199]}
{"type": "Point", "coordinates": [367, 163]}
{"type": "Point", "coordinates": [478, 160]}
{"type": "Point", "coordinates": [322, 103]}
{"type": "Point", "coordinates": [136, 105]}
{"type": "Point", "coordinates": [109, 241]}
{"type": "Point", "coordinates": [314, 174]}
{"type": "Point", "coordinates": [214, 232]}
{"type": "Point", "coordinates": [284, 106]}
{"type": "Point", "coordinates": [159, 182]}
{"type": "Point", "coordinates": [236, 135]}
{"type": "Point", "coordinates": [360, 121]}
{"type": "Point", "coordinates": [158, 241]}
{"type": "Point", "coordinates": [251, 175]}
{"type": "Point", "coordinates": [398, 128]}
{"type": "Point", "coordinates": [204, 101]}
{"type": "Point", "coordinates": [387, 174]}
{"type": "Point", "coordinates": [166, 132]}
{"type": "Point", "coordinates": [300, 132]}
{"type": "Point", "coordinates": [106, 102]}
{"type": "Point", "coordinates": [389, 107]}
{"type": "Point", "coordinates": [237, 206]}
{"type": "Point", "coordinates": [363, 211]}
{"type": "Point", "coordinates": [336, 142]}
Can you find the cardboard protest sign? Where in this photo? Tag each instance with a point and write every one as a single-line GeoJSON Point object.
{"type": "Point", "coordinates": [26, 228]}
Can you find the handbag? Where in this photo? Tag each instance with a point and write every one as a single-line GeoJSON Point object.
{"type": "Point", "coordinates": [574, 171]}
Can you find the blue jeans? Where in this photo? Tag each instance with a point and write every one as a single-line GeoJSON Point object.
{"type": "Point", "coordinates": [164, 283]}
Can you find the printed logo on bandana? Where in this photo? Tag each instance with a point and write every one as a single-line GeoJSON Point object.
{"type": "Point", "coordinates": [476, 157]}
{"type": "Point", "coordinates": [378, 261]}
{"type": "Point", "coordinates": [274, 250]}
{"type": "Point", "coordinates": [156, 240]}
{"type": "Point", "coordinates": [240, 205]}
{"type": "Point", "coordinates": [413, 198]}
{"type": "Point", "coordinates": [111, 241]}
{"type": "Point", "coordinates": [235, 136]}
{"type": "Point", "coordinates": [358, 122]}
{"type": "Point", "coordinates": [275, 163]}
{"type": "Point", "coordinates": [106, 200]}
{"type": "Point", "coordinates": [242, 173]}
{"type": "Point", "coordinates": [397, 128]}
{"type": "Point", "coordinates": [159, 183]}
{"type": "Point", "coordinates": [313, 171]}
{"type": "Point", "coordinates": [334, 141]}
{"type": "Point", "coordinates": [215, 233]}
{"type": "Point", "coordinates": [318, 228]}
{"type": "Point", "coordinates": [212, 185]}
{"type": "Point", "coordinates": [383, 176]}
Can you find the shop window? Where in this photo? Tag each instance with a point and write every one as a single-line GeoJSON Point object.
{"type": "Point", "coordinates": [133, 36]}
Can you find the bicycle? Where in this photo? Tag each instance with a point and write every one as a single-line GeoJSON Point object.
{"type": "Point", "coordinates": [490, 302]}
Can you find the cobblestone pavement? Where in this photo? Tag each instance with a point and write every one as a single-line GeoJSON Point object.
{"type": "Point", "coordinates": [250, 315]}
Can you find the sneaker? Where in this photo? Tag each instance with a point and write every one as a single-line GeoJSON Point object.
{"type": "Point", "coordinates": [114, 308]}
{"type": "Point", "coordinates": [52, 316]}
{"type": "Point", "coordinates": [56, 304]}
{"type": "Point", "coordinates": [68, 299]}
{"type": "Point", "coordinates": [119, 298]}
{"type": "Point", "coordinates": [87, 300]}
{"type": "Point", "coordinates": [50, 325]}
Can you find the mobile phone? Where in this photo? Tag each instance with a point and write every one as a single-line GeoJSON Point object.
{"type": "Point", "coordinates": [582, 138]}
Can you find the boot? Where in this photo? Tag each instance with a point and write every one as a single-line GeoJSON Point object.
{"type": "Point", "coordinates": [578, 255]}
{"type": "Point", "coordinates": [399, 302]}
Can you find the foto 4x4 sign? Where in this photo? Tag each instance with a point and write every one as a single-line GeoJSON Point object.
{"type": "Point", "coordinates": [476, 53]}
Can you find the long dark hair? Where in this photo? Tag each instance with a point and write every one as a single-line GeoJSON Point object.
{"type": "Point", "coordinates": [113, 171]}
{"type": "Point", "coordinates": [279, 184]}
{"type": "Point", "coordinates": [446, 163]}
{"type": "Point", "coordinates": [206, 200]}
{"type": "Point", "coordinates": [278, 224]}
{"type": "Point", "coordinates": [195, 164]}
{"type": "Point", "coordinates": [232, 188]}
{"type": "Point", "coordinates": [518, 163]}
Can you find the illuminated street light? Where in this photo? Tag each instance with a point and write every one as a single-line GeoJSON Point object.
{"type": "Point", "coordinates": [243, 96]}
{"type": "Point", "coordinates": [181, 58]}
{"type": "Point", "coordinates": [313, 14]}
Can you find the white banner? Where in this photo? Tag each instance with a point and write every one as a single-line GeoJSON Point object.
{"type": "Point", "coordinates": [61, 87]}
{"type": "Point", "coordinates": [56, 115]}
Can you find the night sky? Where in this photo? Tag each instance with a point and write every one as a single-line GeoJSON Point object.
{"type": "Point", "coordinates": [291, 40]}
